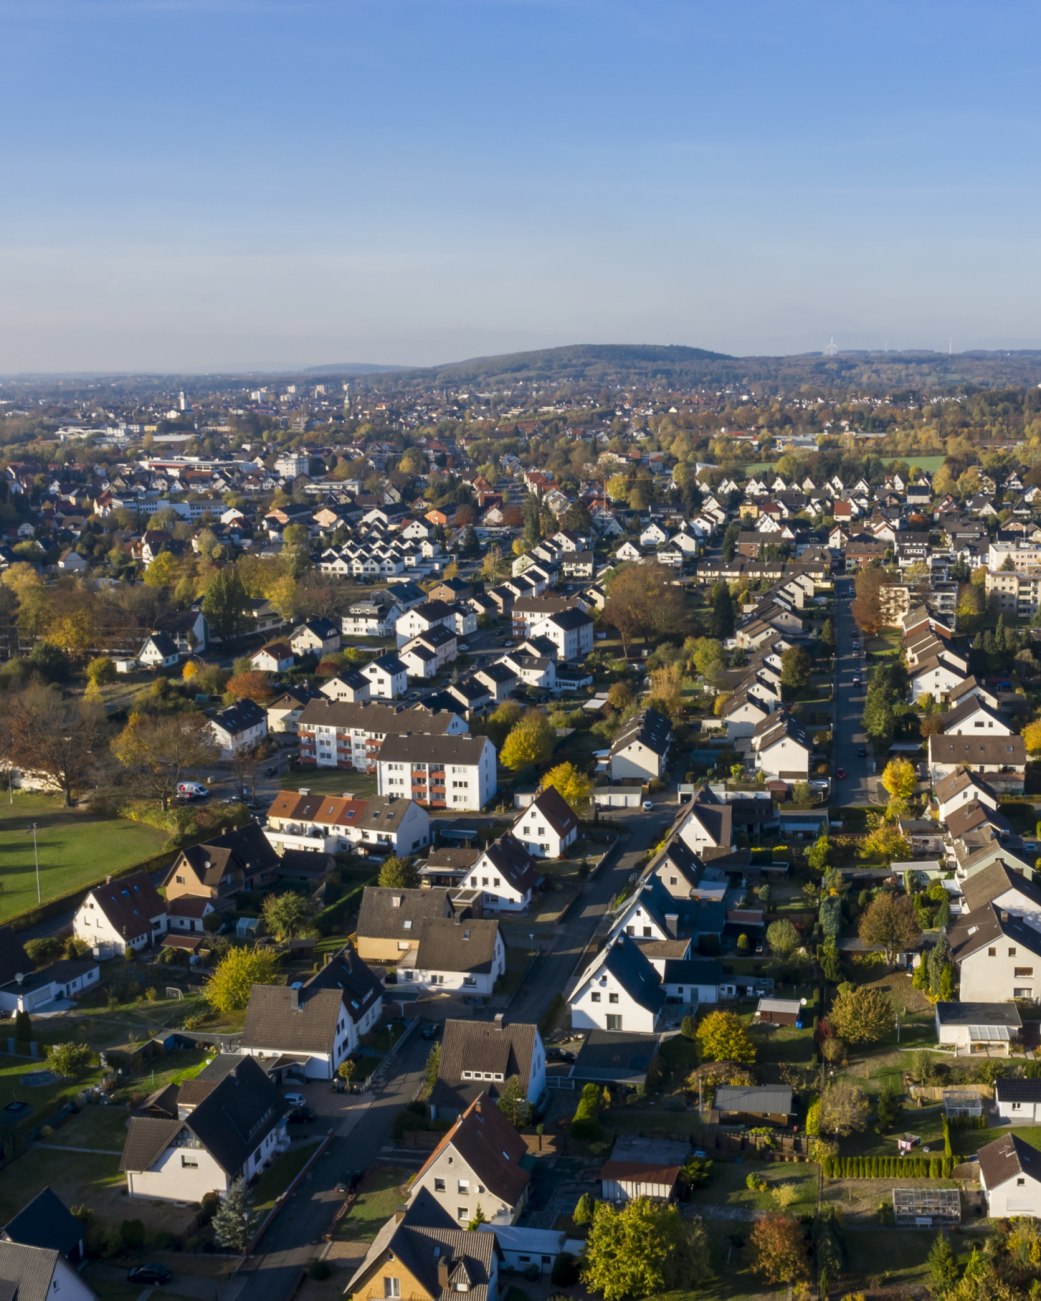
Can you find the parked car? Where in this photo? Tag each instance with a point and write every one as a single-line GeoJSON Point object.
{"type": "Point", "coordinates": [301, 1116]}
{"type": "Point", "coordinates": [862, 752]}
{"type": "Point", "coordinates": [295, 1099]}
{"type": "Point", "coordinates": [840, 773]}
{"type": "Point", "coordinates": [149, 1274]}
{"type": "Point", "coordinates": [348, 1181]}
{"type": "Point", "coordinates": [192, 790]}
{"type": "Point", "coordinates": [430, 1030]}
{"type": "Point", "coordinates": [559, 1055]}
{"type": "Point", "coordinates": [648, 806]}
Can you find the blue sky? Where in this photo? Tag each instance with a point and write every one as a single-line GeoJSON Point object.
{"type": "Point", "coordinates": [205, 184]}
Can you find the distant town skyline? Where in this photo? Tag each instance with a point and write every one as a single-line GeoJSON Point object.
{"type": "Point", "coordinates": [212, 185]}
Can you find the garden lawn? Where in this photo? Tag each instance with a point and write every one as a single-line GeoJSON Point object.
{"type": "Point", "coordinates": [330, 781]}
{"type": "Point", "coordinates": [42, 1101]}
{"type": "Point", "coordinates": [77, 849]}
{"type": "Point", "coordinates": [965, 1141]}
{"type": "Point", "coordinates": [382, 1192]}
{"type": "Point", "coordinates": [85, 1181]}
{"type": "Point", "coordinates": [727, 1186]}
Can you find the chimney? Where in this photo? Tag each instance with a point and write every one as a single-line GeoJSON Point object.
{"type": "Point", "coordinates": [499, 1020]}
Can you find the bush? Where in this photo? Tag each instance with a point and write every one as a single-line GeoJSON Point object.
{"type": "Point", "coordinates": [565, 1270]}
{"type": "Point", "coordinates": [318, 1269]}
{"type": "Point", "coordinates": [132, 1235]}
{"type": "Point", "coordinates": [585, 1125]}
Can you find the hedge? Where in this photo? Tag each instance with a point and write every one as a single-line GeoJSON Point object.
{"type": "Point", "coordinates": [888, 1167]}
{"type": "Point", "coordinates": [585, 1124]}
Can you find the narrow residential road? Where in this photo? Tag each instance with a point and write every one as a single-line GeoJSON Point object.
{"type": "Point", "coordinates": [859, 786]}
{"type": "Point", "coordinates": [551, 974]}
{"type": "Point", "coordinates": [292, 1241]}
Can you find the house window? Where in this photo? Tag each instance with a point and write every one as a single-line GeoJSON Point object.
{"type": "Point", "coordinates": [439, 1185]}
{"type": "Point", "coordinates": [462, 1213]}
{"type": "Point", "coordinates": [992, 953]}
{"type": "Point", "coordinates": [1023, 972]}
{"type": "Point", "coordinates": [391, 1286]}
{"type": "Point", "coordinates": [1012, 952]}
{"type": "Point", "coordinates": [614, 1021]}
{"type": "Point", "coordinates": [189, 1162]}
{"type": "Point", "coordinates": [596, 996]}
{"type": "Point", "coordinates": [612, 998]}
{"type": "Point", "coordinates": [1020, 1182]}
{"type": "Point", "coordinates": [463, 1186]}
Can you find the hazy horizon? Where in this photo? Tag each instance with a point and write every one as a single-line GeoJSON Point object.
{"type": "Point", "coordinates": [229, 185]}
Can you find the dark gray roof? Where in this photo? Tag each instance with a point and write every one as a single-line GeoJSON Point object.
{"type": "Point", "coordinates": [446, 944]}
{"type": "Point", "coordinates": [627, 964]}
{"type": "Point", "coordinates": [1001, 1014]}
{"type": "Point", "coordinates": [754, 1099]}
{"type": "Point", "coordinates": [433, 749]}
{"type": "Point", "coordinates": [387, 913]}
{"type": "Point", "coordinates": [46, 1222]}
{"type": "Point", "coordinates": [693, 971]}
{"type": "Point", "coordinates": [648, 726]}
{"type": "Point", "coordinates": [555, 809]}
{"type": "Point", "coordinates": [304, 1020]}
{"type": "Point", "coordinates": [1009, 1089]}
{"type": "Point", "coordinates": [239, 717]}
{"type": "Point", "coordinates": [230, 1120]}
{"type": "Point", "coordinates": [373, 717]}
{"type": "Point", "coordinates": [993, 881]}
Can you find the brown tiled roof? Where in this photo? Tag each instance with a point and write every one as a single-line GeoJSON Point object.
{"type": "Point", "coordinates": [490, 1146]}
{"type": "Point", "coordinates": [1007, 1157]}
{"type": "Point", "coordinates": [130, 903]}
{"type": "Point", "coordinates": [1008, 751]}
{"type": "Point", "coordinates": [374, 717]}
{"type": "Point", "coordinates": [992, 881]}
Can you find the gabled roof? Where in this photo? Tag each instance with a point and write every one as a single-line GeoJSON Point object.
{"type": "Point", "coordinates": [388, 913]}
{"type": "Point", "coordinates": [1008, 751]}
{"type": "Point", "coordinates": [1009, 1089]}
{"type": "Point", "coordinates": [993, 881]}
{"type": "Point", "coordinates": [552, 806]}
{"type": "Point", "coordinates": [649, 728]}
{"type": "Point", "coordinates": [977, 930]}
{"type": "Point", "coordinates": [46, 1221]}
{"type": "Point", "coordinates": [623, 960]}
{"type": "Point", "coordinates": [967, 709]}
{"type": "Point", "coordinates": [244, 848]}
{"type": "Point", "coordinates": [1006, 1158]}
{"type": "Point", "coordinates": [129, 903]}
{"type": "Point", "coordinates": [230, 1121]}
{"type": "Point", "coordinates": [954, 783]}
{"type": "Point", "coordinates": [486, 1047]}
{"type": "Point", "coordinates": [490, 1146]}
{"type": "Point", "coordinates": [509, 857]}
{"type": "Point", "coordinates": [467, 945]}
{"type": "Point", "coordinates": [26, 1272]}
{"type": "Point", "coordinates": [305, 1019]}
{"type": "Point", "coordinates": [239, 717]}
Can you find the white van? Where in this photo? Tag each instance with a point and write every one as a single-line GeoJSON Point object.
{"type": "Point", "coordinates": [192, 790]}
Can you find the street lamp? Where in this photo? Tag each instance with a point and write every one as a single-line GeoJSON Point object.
{"type": "Point", "coordinates": [36, 855]}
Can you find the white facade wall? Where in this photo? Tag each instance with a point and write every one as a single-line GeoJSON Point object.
{"type": "Point", "coordinates": [539, 838]}
{"type": "Point", "coordinates": [1020, 1195]}
{"type": "Point", "coordinates": [455, 1187]}
{"type": "Point", "coordinates": [785, 758]}
{"type": "Point", "coordinates": [1000, 972]}
{"type": "Point", "coordinates": [386, 686]}
{"type": "Point", "coordinates": [182, 1174]}
{"type": "Point", "coordinates": [479, 983]}
{"type": "Point", "coordinates": [1020, 1113]}
{"type": "Point", "coordinates": [635, 762]}
{"type": "Point", "coordinates": [602, 1004]}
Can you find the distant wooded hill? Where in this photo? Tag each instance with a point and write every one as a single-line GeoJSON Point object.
{"type": "Point", "coordinates": [648, 365]}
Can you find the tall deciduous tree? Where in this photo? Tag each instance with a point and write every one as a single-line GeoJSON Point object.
{"type": "Point", "coordinates": [782, 937]}
{"type": "Point", "coordinates": [61, 738]}
{"type": "Point", "coordinates": [861, 1014]}
{"type": "Point", "coordinates": [844, 1108]}
{"type": "Point", "coordinates": [779, 1252]}
{"type": "Point", "coordinates": [398, 873]}
{"type": "Point", "coordinates": [642, 602]}
{"type": "Point", "coordinates": [900, 780]}
{"type": "Point", "coordinates": [867, 601]}
{"type": "Point", "coordinates": [723, 1038]}
{"type": "Point", "coordinates": [227, 990]}
{"type": "Point", "coordinates": [225, 602]}
{"type": "Point", "coordinates": [643, 1249]}
{"type": "Point", "coordinates": [571, 785]}
{"type": "Point", "coordinates": [890, 920]}
{"type": "Point", "coordinates": [156, 749]}
{"type": "Point", "coordinates": [529, 743]}
{"type": "Point", "coordinates": [287, 915]}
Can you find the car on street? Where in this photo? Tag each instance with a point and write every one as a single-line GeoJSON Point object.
{"type": "Point", "coordinates": [430, 1030]}
{"type": "Point", "coordinates": [862, 752]}
{"type": "Point", "coordinates": [348, 1181]}
{"type": "Point", "coordinates": [856, 679]}
{"type": "Point", "coordinates": [295, 1099]}
{"type": "Point", "coordinates": [648, 806]}
{"type": "Point", "coordinates": [840, 773]}
{"type": "Point", "coordinates": [149, 1274]}
{"type": "Point", "coordinates": [301, 1116]}
{"type": "Point", "coordinates": [271, 770]}
{"type": "Point", "coordinates": [192, 790]}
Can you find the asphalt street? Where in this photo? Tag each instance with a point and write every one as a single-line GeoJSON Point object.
{"type": "Point", "coordinates": [860, 785]}
{"type": "Point", "coordinates": [362, 1125]}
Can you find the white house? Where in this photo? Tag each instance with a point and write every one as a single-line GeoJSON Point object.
{"type": "Point", "coordinates": [388, 677]}
{"type": "Point", "coordinates": [1010, 1172]}
{"type": "Point", "coordinates": [159, 651]}
{"type": "Point", "coordinates": [203, 1135]}
{"type": "Point", "coordinates": [960, 788]}
{"type": "Point", "coordinates": [464, 957]}
{"type": "Point", "coordinates": [350, 686]}
{"type": "Point", "coordinates": [421, 618]}
{"type": "Point", "coordinates": [781, 747]}
{"type": "Point", "coordinates": [319, 1022]}
{"type": "Point", "coordinates": [315, 637]}
{"type": "Point", "coordinates": [640, 750]}
{"type": "Point", "coordinates": [30, 990]}
{"type": "Point", "coordinates": [548, 826]}
{"type": "Point", "coordinates": [31, 1273]}
{"type": "Point", "coordinates": [331, 824]}
{"type": "Point", "coordinates": [476, 1168]}
{"type": "Point", "coordinates": [239, 727]}
{"type": "Point", "coordinates": [983, 1028]}
{"type": "Point", "coordinates": [619, 990]}
{"type": "Point", "coordinates": [275, 657]}
{"type": "Point", "coordinates": [1018, 1101]}
{"type": "Point", "coordinates": [505, 875]}
{"type": "Point", "coordinates": [480, 1056]}
{"type": "Point", "coordinates": [998, 956]}
{"type": "Point", "coordinates": [570, 631]}
{"type": "Point", "coordinates": [126, 913]}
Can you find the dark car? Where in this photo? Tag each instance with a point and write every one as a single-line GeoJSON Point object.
{"type": "Point", "coordinates": [348, 1181]}
{"type": "Point", "coordinates": [430, 1030]}
{"type": "Point", "coordinates": [301, 1116]}
{"type": "Point", "coordinates": [862, 753]}
{"type": "Point", "coordinates": [271, 770]}
{"type": "Point", "coordinates": [559, 1055]}
{"type": "Point", "coordinates": [149, 1274]}
{"type": "Point", "coordinates": [840, 773]}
